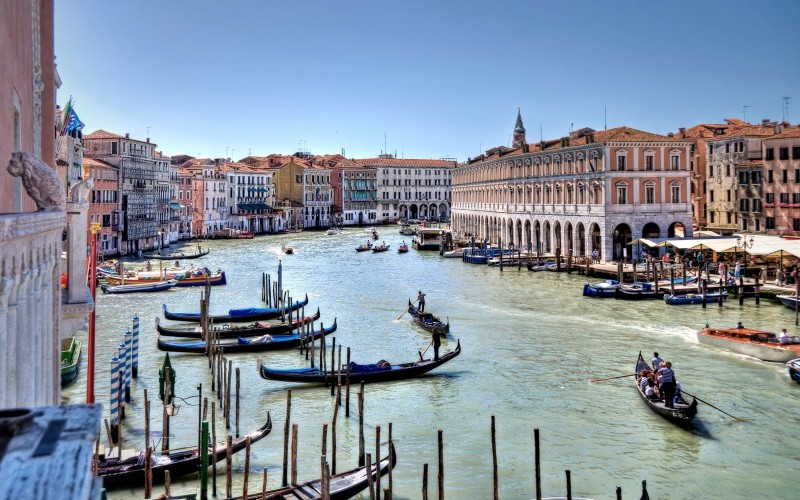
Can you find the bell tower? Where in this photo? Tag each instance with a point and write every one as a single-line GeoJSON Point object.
{"type": "Point", "coordinates": [519, 132]}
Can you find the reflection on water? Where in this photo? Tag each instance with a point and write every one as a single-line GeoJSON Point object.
{"type": "Point", "coordinates": [530, 344]}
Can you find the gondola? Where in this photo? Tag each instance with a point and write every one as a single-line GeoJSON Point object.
{"type": "Point", "coordinates": [360, 373]}
{"type": "Point", "coordinates": [638, 290]}
{"type": "Point", "coordinates": [693, 298]}
{"type": "Point", "coordinates": [237, 315]}
{"type": "Point", "coordinates": [427, 320]}
{"type": "Point", "coordinates": [403, 248]}
{"type": "Point", "coordinates": [682, 414]}
{"type": "Point", "coordinates": [130, 473]}
{"type": "Point", "coordinates": [257, 344]}
{"type": "Point", "coordinates": [380, 248]}
{"type": "Point", "coordinates": [364, 247]}
{"type": "Point", "coordinates": [177, 256]}
{"type": "Point", "coordinates": [227, 331]}
{"type": "Point", "coordinates": [342, 486]}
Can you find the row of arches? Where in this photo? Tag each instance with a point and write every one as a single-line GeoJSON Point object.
{"type": "Point", "coordinates": [431, 211]}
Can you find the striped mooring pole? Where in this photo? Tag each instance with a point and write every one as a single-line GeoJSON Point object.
{"type": "Point", "coordinates": [135, 367]}
{"type": "Point", "coordinates": [128, 364]}
{"type": "Point", "coordinates": [123, 360]}
{"type": "Point", "coordinates": [114, 401]}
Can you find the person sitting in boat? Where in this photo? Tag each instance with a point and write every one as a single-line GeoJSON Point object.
{"type": "Point", "coordinates": [383, 364]}
{"type": "Point", "coordinates": [677, 395]}
{"type": "Point", "coordinates": [739, 325]}
{"type": "Point", "coordinates": [644, 377]}
{"type": "Point", "coordinates": [651, 391]}
{"type": "Point", "coordinates": [783, 337]}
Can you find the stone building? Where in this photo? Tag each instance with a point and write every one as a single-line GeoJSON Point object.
{"type": "Point", "coordinates": [250, 199]}
{"type": "Point", "coordinates": [781, 183]}
{"type": "Point", "coordinates": [35, 312]}
{"type": "Point", "coordinates": [734, 178]}
{"type": "Point", "coordinates": [585, 191]}
{"type": "Point", "coordinates": [142, 174]}
{"type": "Point", "coordinates": [412, 188]}
{"type": "Point", "coordinates": [182, 205]}
{"type": "Point", "coordinates": [104, 203]}
{"type": "Point", "coordinates": [354, 190]}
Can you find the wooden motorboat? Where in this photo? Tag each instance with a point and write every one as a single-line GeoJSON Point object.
{"type": "Point", "coordinates": [150, 286]}
{"type": "Point", "coordinates": [287, 249]}
{"type": "Point", "coordinates": [70, 359]}
{"type": "Point", "coordinates": [427, 320]}
{"type": "Point", "coordinates": [603, 290]}
{"type": "Point", "coordinates": [178, 255]}
{"type": "Point", "coordinates": [759, 344]}
{"type": "Point", "coordinates": [789, 301]}
{"type": "Point", "coordinates": [130, 473]}
{"type": "Point", "coordinates": [638, 290]}
{"type": "Point", "coordinates": [693, 298]}
{"type": "Point", "coordinates": [237, 315]}
{"type": "Point", "coordinates": [682, 413]}
{"type": "Point", "coordinates": [364, 247]}
{"type": "Point", "coordinates": [232, 331]}
{"type": "Point", "coordinates": [360, 373]}
{"type": "Point", "coordinates": [406, 230]}
{"type": "Point", "coordinates": [341, 486]}
{"type": "Point", "coordinates": [547, 266]}
{"type": "Point", "coordinates": [456, 253]}
{"type": "Point", "coordinates": [793, 367]}
{"type": "Point", "coordinates": [198, 277]}
{"type": "Point", "coordinates": [241, 344]}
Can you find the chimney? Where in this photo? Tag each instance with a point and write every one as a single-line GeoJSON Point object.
{"type": "Point", "coordinates": [148, 140]}
{"type": "Point", "coordinates": [564, 142]}
{"type": "Point", "coordinates": [683, 132]}
{"type": "Point", "coordinates": [778, 128]}
{"type": "Point", "coordinates": [670, 134]}
{"type": "Point", "coordinates": [765, 122]}
{"type": "Point", "coordinates": [589, 137]}
{"type": "Point", "coordinates": [127, 135]}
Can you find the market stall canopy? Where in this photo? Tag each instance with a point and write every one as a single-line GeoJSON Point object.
{"type": "Point", "coordinates": [762, 245]}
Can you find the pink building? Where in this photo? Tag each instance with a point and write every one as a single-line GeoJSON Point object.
{"type": "Point", "coordinates": [781, 183]}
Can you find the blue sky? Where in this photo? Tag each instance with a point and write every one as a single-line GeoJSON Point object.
{"type": "Point", "coordinates": [438, 78]}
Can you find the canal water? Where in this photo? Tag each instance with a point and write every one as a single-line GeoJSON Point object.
{"type": "Point", "coordinates": [530, 344]}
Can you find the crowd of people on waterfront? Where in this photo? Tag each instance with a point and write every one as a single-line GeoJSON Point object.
{"type": "Point", "coordinates": [660, 384]}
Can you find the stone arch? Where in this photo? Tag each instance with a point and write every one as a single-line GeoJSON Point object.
{"type": "Point", "coordinates": [621, 236]}
{"type": "Point", "coordinates": [548, 247]}
{"type": "Point", "coordinates": [581, 230]}
{"type": "Point", "coordinates": [651, 230]}
{"type": "Point", "coordinates": [558, 243]}
{"type": "Point", "coordinates": [537, 236]}
{"type": "Point", "coordinates": [676, 230]}
{"type": "Point", "coordinates": [570, 239]}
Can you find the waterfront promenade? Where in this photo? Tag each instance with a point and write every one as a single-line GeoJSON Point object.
{"type": "Point", "coordinates": [530, 344]}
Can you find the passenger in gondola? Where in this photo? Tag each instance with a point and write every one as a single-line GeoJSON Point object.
{"type": "Point", "coordinates": [667, 379]}
{"type": "Point", "coordinates": [651, 391]}
{"type": "Point", "coordinates": [644, 377]}
{"type": "Point", "coordinates": [677, 392]}
{"type": "Point", "coordinates": [656, 361]}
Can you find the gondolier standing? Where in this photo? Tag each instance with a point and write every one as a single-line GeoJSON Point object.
{"type": "Point", "coordinates": [667, 378]}
{"type": "Point", "coordinates": [421, 299]}
{"type": "Point", "coordinates": [437, 341]}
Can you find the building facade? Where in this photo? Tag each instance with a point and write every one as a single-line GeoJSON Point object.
{"type": "Point", "coordinates": [104, 203]}
{"type": "Point", "coordinates": [781, 183]}
{"type": "Point", "coordinates": [251, 199]}
{"type": "Point", "coordinates": [587, 191]}
{"type": "Point", "coordinates": [412, 188]}
{"type": "Point", "coordinates": [354, 189]}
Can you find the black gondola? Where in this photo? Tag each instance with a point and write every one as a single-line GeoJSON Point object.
{"type": "Point", "coordinates": [258, 344]}
{"type": "Point", "coordinates": [177, 256]}
{"type": "Point", "coordinates": [427, 320]}
{"type": "Point", "coordinates": [130, 473]}
{"type": "Point", "coordinates": [683, 412]}
{"type": "Point", "coordinates": [237, 315]}
{"type": "Point", "coordinates": [638, 290]}
{"type": "Point", "coordinates": [342, 486]}
{"type": "Point", "coordinates": [360, 373]}
{"type": "Point", "coordinates": [227, 331]}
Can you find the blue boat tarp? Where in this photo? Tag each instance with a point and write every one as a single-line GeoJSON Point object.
{"type": "Point", "coordinates": [356, 368]}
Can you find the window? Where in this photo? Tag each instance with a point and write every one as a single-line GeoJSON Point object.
{"type": "Point", "coordinates": [676, 193]}
{"type": "Point", "coordinates": [728, 195]}
{"type": "Point", "coordinates": [797, 175]}
{"type": "Point", "coordinates": [622, 193]}
{"type": "Point", "coordinates": [756, 205]}
{"type": "Point", "coordinates": [712, 217]}
{"type": "Point", "coordinates": [755, 177]}
{"type": "Point", "coordinates": [769, 177]}
{"type": "Point", "coordinates": [114, 148]}
{"type": "Point", "coordinates": [784, 175]}
{"type": "Point", "coordinates": [795, 152]}
{"type": "Point", "coordinates": [650, 193]}
{"type": "Point", "coordinates": [784, 197]}
{"type": "Point", "coordinates": [727, 170]}
{"type": "Point", "coordinates": [770, 154]}
{"type": "Point", "coordinates": [675, 162]}
{"type": "Point", "coordinates": [769, 198]}
{"type": "Point", "coordinates": [298, 179]}
{"type": "Point", "coordinates": [744, 205]}
{"type": "Point", "coordinates": [783, 153]}
{"type": "Point", "coordinates": [795, 197]}
{"type": "Point", "coordinates": [711, 195]}
{"type": "Point", "coordinates": [649, 162]}
{"type": "Point", "coordinates": [621, 162]}
{"type": "Point", "coordinates": [769, 223]}
{"type": "Point", "coordinates": [743, 178]}
{"type": "Point", "coordinates": [727, 147]}
{"type": "Point", "coordinates": [795, 224]}
{"type": "Point", "coordinates": [729, 218]}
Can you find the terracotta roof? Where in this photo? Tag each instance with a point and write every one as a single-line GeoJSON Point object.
{"type": "Point", "coordinates": [91, 162]}
{"type": "Point", "coordinates": [788, 133]}
{"type": "Point", "coordinates": [395, 162]}
{"type": "Point", "coordinates": [102, 134]}
{"type": "Point", "coordinates": [748, 131]}
{"type": "Point", "coordinates": [626, 134]}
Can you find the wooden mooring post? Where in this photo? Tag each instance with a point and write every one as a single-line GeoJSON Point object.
{"type": "Point", "coordinates": [285, 478]}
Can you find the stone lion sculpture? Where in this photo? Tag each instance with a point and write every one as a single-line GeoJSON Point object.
{"type": "Point", "coordinates": [40, 180]}
{"type": "Point", "coordinates": [79, 192]}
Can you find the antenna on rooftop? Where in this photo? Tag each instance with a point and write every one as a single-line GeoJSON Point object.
{"type": "Point", "coordinates": [605, 118]}
{"type": "Point", "coordinates": [148, 127]}
{"type": "Point", "coordinates": [541, 137]}
{"type": "Point", "coordinates": [385, 149]}
{"type": "Point", "coordinates": [744, 112]}
{"type": "Point", "coordinates": [785, 108]}
{"type": "Point", "coordinates": [249, 151]}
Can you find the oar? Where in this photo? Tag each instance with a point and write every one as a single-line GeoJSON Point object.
{"type": "Point", "coordinates": [404, 312]}
{"type": "Point", "coordinates": [592, 381]}
{"type": "Point", "coordinates": [709, 404]}
{"type": "Point", "coordinates": [421, 358]}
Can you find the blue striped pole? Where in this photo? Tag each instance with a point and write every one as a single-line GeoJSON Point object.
{"type": "Point", "coordinates": [114, 401]}
{"type": "Point", "coordinates": [135, 369]}
{"type": "Point", "coordinates": [121, 387]}
{"type": "Point", "coordinates": [128, 364]}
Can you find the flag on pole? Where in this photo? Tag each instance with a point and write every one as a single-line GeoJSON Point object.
{"type": "Point", "coordinates": [62, 129]}
{"type": "Point", "coordinates": [73, 122]}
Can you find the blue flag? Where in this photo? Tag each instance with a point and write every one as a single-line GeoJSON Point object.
{"type": "Point", "coordinates": [73, 122]}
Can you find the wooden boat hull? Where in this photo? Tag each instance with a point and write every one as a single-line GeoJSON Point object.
{"type": "Point", "coordinates": [380, 249]}
{"type": "Point", "coordinates": [213, 280]}
{"type": "Point", "coordinates": [70, 359]}
{"type": "Point", "coordinates": [606, 289]}
{"type": "Point", "coordinates": [681, 415]}
{"type": "Point", "coordinates": [237, 315]}
{"type": "Point", "coordinates": [765, 351]}
{"type": "Point", "coordinates": [342, 486]}
{"type": "Point", "coordinates": [692, 298]}
{"type": "Point", "coordinates": [116, 475]}
{"type": "Point", "coordinates": [789, 301]}
{"type": "Point", "coordinates": [274, 344]}
{"type": "Point", "coordinates": [226, 331]}
{"type": "Point", "coordinates": [176, 256]}
{"type": "Point", "coordinates": [363, 248]}
{"type": "Point", "coordinates": [155, 286]}
{"type": "Point", "coordinates": [633, 294]}
{"type": "Point", "coordinates": [396, 372]}
{"type": "Point", "coordinates": [434, 326]}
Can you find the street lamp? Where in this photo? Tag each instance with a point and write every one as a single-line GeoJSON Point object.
{"type": "Point", "coordinates": [745, 244]}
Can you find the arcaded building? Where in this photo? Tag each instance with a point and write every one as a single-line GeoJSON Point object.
{"type": "Point", "coordinates": [585, 191]}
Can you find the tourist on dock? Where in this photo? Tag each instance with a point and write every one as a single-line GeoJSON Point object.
{"type": "Point", "coordinates": [437, 341]}
{"type": "Point", "coordinates": [779, 275]}
{"type": "Point", "coordinates": [421, 299]}
{"type": "Point", "coordinates": [737, 270]}
{"type": "Point", "coordinates": [595, 256]}
{"type": "Point", "coordinates": [656, 362]}
{"type": "Point", "coordinates": [721, 269]}
{"type": "Point", "coordinates": [763, 276]}
{"type": "Point", "coordinates": [666, 378]}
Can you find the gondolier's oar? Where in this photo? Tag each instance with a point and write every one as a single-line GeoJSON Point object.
{"type": "Point", "coordinates": [421, 358]}
{"type": "Point", "coordinates": [709, 404]}
{"type": "Point", "coordinates": [593, 380]}
{"type": "Point", "coordinates": [404, 312]}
